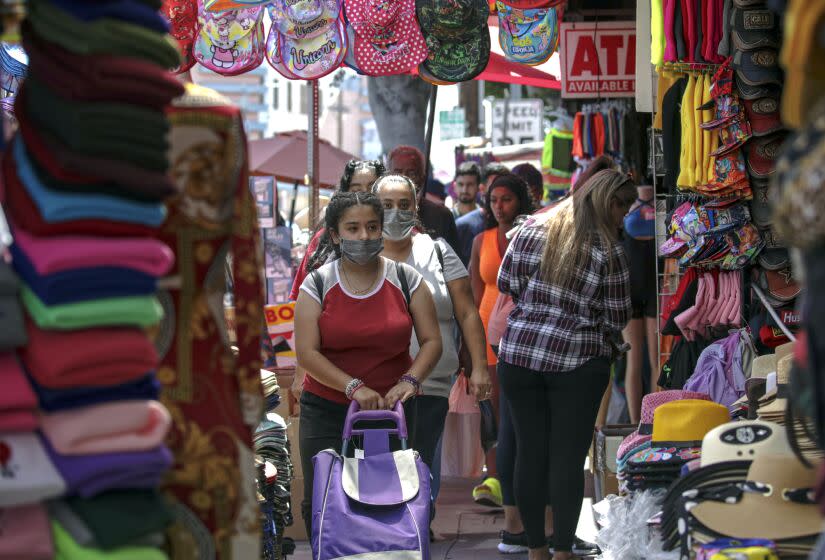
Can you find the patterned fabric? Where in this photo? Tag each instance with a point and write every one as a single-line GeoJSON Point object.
{"type": "Point", "coordinates": [559, 329]}
{"type": "Point", "coordinates": [215, 399]}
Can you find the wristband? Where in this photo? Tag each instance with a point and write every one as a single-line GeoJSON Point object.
{"type": "Point", "coordinates": [407, 378]}
{"type": "Point", "coordinates": [352, 387]}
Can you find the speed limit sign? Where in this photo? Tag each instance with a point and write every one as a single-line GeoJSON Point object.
{"type": "Point", "coordinates": [517, 122]}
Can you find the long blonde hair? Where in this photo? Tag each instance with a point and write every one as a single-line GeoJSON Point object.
{"type": "Point", "coordinates": [580, 222]}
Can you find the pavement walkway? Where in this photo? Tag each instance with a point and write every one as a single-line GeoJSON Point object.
{"type": "Point", "coordinates": [465, 531]}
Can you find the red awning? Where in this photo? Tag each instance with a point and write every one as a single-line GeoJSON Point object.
{"type": "Point", "coordinates": [285, 158]}
{"type": "Point", "coordinates": [499, 69]}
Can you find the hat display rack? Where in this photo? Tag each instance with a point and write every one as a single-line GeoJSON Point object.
{"type": "Point", "coordinates": [309, 39]}
{"type": "Point", "coordinates": [721, 125]}
{"type": "Point", "coordinates": [748, 489]}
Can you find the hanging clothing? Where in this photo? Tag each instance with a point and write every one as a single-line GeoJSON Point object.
{"type": "Point", "coordinates": [214, 397]}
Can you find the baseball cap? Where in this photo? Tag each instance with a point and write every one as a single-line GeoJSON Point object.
{"type": "Point", "coordinates": [760, 205]}
{"type": "Point", "coordinates": [763, 114]}
{"type": "Point", "coordinates": [314, 57]}
{"type": "Point", "coordinates": [762, 154]}
{"type": "Point", "coordinates": [231, 42]}
{"type": "Point", "coordinates": [273, 50]}
{"type": "Point", "coordinates": [307, 39]}
{"type": "Point", "coordinates": [458, 43]}
{"type": "Point", "coordinates": [758, 67]}
{"type": "Point", "coordinates": [756, 91]}
{"type": "Point", "coordinates": [528, 36]}
{"type": "Point", "coordinates": [755, 28]}
{"type": "Point", "coordinates": [388, 39]}
{"type": "Point", "coordinates": [530, 4]}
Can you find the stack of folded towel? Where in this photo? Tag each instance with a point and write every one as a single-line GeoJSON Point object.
{"type": "Point", "coordinates": [81, 430]}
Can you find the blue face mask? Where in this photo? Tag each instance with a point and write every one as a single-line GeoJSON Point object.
{"type": "Point", "coordinates": [362, 252]}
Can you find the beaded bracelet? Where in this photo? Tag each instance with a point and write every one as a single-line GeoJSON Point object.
{"type": "Point", "coordinates": [352, 387]}
{"type": "Point", "coordinates": [407, 378]}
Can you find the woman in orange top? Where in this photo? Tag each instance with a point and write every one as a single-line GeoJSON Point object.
{"type": "Point", "coordinates": [506, 199]}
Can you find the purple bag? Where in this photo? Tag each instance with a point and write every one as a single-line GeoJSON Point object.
{"type": "Point", "coordinates": [371, 504]}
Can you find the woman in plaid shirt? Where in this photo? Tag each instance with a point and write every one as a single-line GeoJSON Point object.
{"type": "Point", "coordinates": [569, 279]}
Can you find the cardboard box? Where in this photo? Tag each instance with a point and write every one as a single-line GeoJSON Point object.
{"type": "Point", "coordinates": [297, 531]}
{"type": "Point", "coordinates": [603, 463]}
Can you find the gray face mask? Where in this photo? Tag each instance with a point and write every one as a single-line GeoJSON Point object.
{"type": "Point", "coordinates": [398, 224]}
{"type": "Point", "coordinates": [361, 252]}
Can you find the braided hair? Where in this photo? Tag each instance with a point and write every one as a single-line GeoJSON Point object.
{"type": "Point", "coordinates": [325, 245]}
{"type": "Point", "coordinates": [354, 165]}
{"type": "Point", "coordinates": [340, 203]}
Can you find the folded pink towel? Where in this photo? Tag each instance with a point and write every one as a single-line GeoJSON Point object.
{"type": "Point", "coordinates": [56, 254]}
{"type": "Point", "coordinates": [17, 399]}
{"type": "Point", "coordinates": [25, 533]}
{"type": "Point", "coordinates": [107, 428]}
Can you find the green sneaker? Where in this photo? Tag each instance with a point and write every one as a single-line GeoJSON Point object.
{"type": "Point", "coordinates": [488, 493]}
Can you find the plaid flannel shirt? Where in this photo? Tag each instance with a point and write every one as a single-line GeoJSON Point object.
{"type": "Point", "coordinates": [554, 329]}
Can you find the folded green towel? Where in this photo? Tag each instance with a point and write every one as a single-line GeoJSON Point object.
{"type": "Point", "coordinates": [141, 311]}
{"type": "Point", "coordinates": [67, 549]}
{"type": "Point", "coordinates": [103, 36]}
{"type": "Point", "coordinates": [120, 517]}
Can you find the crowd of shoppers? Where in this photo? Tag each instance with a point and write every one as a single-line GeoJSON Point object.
{"type": "Point", "coordinates": [398, 294]}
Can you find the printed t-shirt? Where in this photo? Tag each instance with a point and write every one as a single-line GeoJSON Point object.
{"type": "Point", "coordinates": [367, 336]}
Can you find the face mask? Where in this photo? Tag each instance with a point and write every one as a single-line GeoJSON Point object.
{"type": "Point", "coordinates": [361, 252]}
{"type": "Point", "coordinates": [398, 224]}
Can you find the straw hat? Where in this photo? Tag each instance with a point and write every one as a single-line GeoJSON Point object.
{"type": "Point", "coordinates": [784, 350]}
{"type": "Point", "coordinates": [765, 509]}
{"type": "Point", "coordinates": [744, 441]}
{"type": "Point", "coordinates": [763, 365]}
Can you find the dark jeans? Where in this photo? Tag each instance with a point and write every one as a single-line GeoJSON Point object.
{"type": "Point", "coordinates": [322, 423]}
{"type": "Point", "coordinates": [553, 414]}
{"type": "Point", "coordinates": [430, 417]}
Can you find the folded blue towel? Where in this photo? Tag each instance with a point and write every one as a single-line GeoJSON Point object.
{"type": "Point", "coordinates": [53, 400]}
{"type": "Point", "coordinates": [82, 284]}
{"type": "Point", "coordinates": [59, 206]}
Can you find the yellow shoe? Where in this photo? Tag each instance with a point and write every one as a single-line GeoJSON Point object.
{"type": "Point", "coordinates": [488, 493]}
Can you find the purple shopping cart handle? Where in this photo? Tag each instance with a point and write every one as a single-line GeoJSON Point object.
{"type": "Point", "coordinates": [354, 414]}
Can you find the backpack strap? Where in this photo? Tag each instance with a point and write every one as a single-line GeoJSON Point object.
{"type": "Point", "coordinates": [402, 279]}
{"type": "Point", "coordinates": [440, 255]}
{"type": "Point", "coordinates": [319, 285]}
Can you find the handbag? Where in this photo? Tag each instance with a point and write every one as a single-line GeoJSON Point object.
{"type": "Point", "coordinates": [498, 319]}
{"type": "Point", "coordinates": [462, 455]}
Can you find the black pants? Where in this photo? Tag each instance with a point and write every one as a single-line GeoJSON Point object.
{"type": "Point", "coordinates": [321, 427]}
{"type": "Point", "coordinates": [553, 414]}
{"type": "Point", "coordinates": [430, 417]}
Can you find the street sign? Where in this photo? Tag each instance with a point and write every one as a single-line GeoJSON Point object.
{"type": "Point", "coordinates": [452, 124]}
{"type": "Point", "coordinates": [598, 59]}
{"type": "Point", "coordinates": [517, 122]}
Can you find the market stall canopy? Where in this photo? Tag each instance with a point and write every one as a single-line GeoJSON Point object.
{"type": "Point", "coordinates": [501, 70]}
{"type": "Point", "coordinates": [285, 158]}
